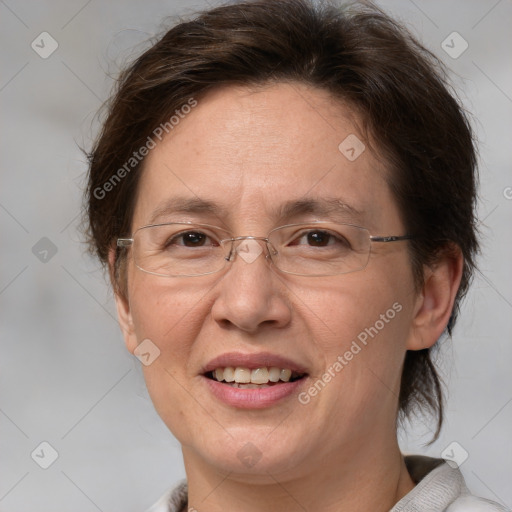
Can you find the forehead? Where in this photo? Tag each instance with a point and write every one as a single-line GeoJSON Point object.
{"type": "Point", "coordinates": [250, 150]}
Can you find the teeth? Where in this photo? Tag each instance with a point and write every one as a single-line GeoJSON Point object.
{"type": "Point", "coordinates": [229, 374]}
{"type": "Point", "coordinates": [242, 375]}
{"type": "Point", "coordinates": [274, 374]}
{"type": "Point", "coordinates": [259, 376]}
{"type": "Point", "coordinates": [256, 378]}
{"type": "Point", "coordinates": [285, 375]}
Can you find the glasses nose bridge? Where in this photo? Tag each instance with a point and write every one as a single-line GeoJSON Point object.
{"type": "Point", "coordinates": [250, 250]}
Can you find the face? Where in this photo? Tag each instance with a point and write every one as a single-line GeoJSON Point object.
{"type": "Point", "coordinates": [249, 152]}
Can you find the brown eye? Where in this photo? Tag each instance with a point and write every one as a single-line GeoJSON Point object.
{"type": "Point", "coordinates": [189, 239]}
{"type": "Point", "coordinates": [193, 239]}
{"type": "Point", "coordinates": [318, 238]}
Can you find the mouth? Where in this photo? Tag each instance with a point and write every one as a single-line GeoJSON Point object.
{"type": "Point", "coordinates": [253, 381]}
{"type": "Point", "coordinates": [242, 377]}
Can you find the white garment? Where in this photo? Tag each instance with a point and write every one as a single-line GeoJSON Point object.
{"type": "Point", "coordinates": [439, 488]}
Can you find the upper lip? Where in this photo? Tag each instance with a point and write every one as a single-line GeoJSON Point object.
{"type": "Point", "coordinates": [252, 361]}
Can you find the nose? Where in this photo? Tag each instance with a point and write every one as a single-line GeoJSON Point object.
{"type": "Point", "coordinates": [250, 295]}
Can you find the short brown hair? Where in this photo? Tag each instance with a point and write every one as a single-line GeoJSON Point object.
{"type": "Point", "coordinates": [360, 56]}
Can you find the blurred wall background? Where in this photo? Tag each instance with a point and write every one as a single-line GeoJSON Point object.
{"type": "Point", "coordinates": [65, 376]}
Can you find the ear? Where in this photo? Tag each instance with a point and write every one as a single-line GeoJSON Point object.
{"type": "Point", "coordinates": [434, 303]}
{"type": "Point", "coordinates": [123, 308]}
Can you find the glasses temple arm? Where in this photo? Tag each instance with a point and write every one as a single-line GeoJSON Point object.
{"type": "Point", "coordinates": [124, 242]}
{"type": "Point", "coordinates": [391, 238]}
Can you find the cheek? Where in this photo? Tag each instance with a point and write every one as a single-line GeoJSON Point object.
{"type": "Point", "coordinates": [171, 315]}
{"type": "Point", "coordinates": [162, 308]}
{"type": "Point", "coordinates": [365, 321]}
{"type": "Point", "coordinates": [341, 307]}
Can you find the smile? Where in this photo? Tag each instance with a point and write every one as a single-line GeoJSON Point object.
{"type": "Point", "coordinates": [244, 378]}
{"type": "Point", "coordinates": [252, 380]}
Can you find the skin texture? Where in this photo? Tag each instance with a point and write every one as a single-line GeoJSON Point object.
{"type": "Point", "coordinates": [249, 151]}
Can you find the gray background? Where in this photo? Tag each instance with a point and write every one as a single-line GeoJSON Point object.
{"type": "Point", "coordinates": [66, 377]}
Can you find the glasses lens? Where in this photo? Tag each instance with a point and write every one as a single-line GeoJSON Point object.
{"type": "Point", "coordinates": [320, 249]}
{"type": "Point", "coordinates": [179, 249]}
{"type": "Point", "coordinates": [317, 249]}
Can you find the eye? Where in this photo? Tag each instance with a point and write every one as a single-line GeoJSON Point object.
{"type": "Point", "coordinates": [190, 239]}
{"type": "Point", "coordinates": [320, 238]}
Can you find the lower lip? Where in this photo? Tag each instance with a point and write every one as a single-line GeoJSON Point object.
{"type": "Point", "coordinates": [252, 398]}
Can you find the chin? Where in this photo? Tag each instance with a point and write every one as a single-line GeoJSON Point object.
{"type": "Point", "coordinates": [252, 452]}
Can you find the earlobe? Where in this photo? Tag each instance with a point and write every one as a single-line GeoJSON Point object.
{"type": "Point", "coordinates": [435, 302]}
{"type": "Point", "coordinates": [123, 309]}
{"type": "Point", "coordinates": [126, 322]}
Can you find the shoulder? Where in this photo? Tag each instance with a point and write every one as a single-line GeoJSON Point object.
{"type": "Point", "coordinates": [474, 504]}
{"type": "Point", "coordinates": [174, 500]}
{"type": "Point", "coordinates": [440, 487]}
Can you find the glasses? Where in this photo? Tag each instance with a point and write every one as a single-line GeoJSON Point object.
{"type": "Point", "coordinates": [184, 249]}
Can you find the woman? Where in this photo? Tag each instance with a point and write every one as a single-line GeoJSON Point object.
{"type": "Point", "coordinates": [284, 196]}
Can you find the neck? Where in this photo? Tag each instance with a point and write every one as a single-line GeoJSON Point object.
{"type": "Point", "coordinates": [365, 479]}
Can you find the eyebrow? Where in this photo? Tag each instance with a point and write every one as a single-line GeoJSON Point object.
{"type": "Point", "coordinates": [186, 205]}
{"type": "Point", "coordinates": [332, 207]}
{"type": "Point", "coordinates": [322, 207]}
